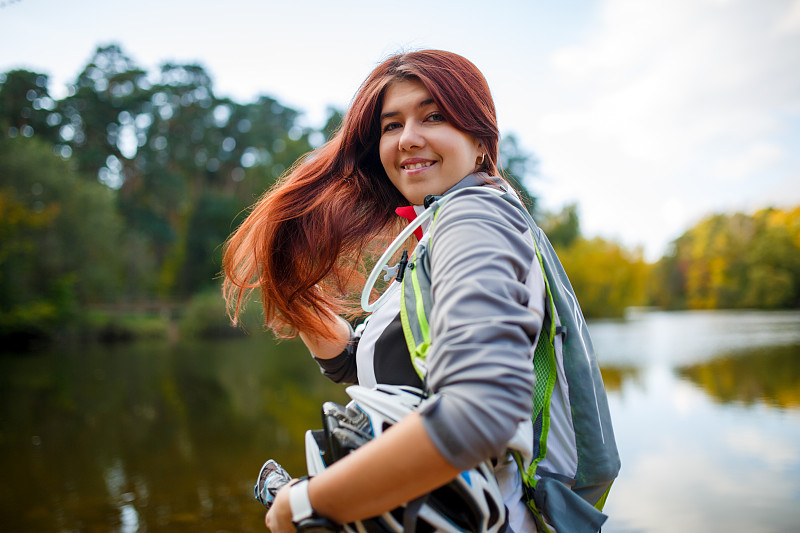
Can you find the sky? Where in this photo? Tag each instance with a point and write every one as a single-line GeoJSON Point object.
{"type": "Point", "coordinates": [648, 115]}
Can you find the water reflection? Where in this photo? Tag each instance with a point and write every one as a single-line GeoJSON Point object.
{"type": "Point", "coordinates": [615, 376]}
{"type": "Point", "coordinates": [673, 339]}
{"type": "Point", "coordinates": [151, 437]}
{"type": "Point", "coordinates": [770, 375]}
{"type": "Point", "coordinates": [691, 464]}
{"type": "Point", "coordinates": [706, 414]}
{"type": "Point", "coordinates": [115, 482]}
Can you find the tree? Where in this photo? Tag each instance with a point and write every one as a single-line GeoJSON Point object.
{"type": "Point", "coordinates": [562, 228]}
{"type": "Point", "coordinates": [517, 166]}
{"type": "Point", "coordinates": [733, 261]}
{"type": "Point", "coordinates": [333, 123]}
{"type": "Point", "coordinates": [26, 106]}
{"type": "Point", "coordinates": [103, 103]}
{"type": "Point", "coordinates": [773, 261]}
{"type": "Point", "coordinates": [57, 231]}
{"type": "Point", "coordinates": [180, 163]}
{"type": "Point", "coordinates": [167, 145]}
{"type": "Point", "coordinates": [606, 277]}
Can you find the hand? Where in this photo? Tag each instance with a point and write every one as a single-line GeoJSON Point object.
{"type": "Point", "coordinates": [279, 517]}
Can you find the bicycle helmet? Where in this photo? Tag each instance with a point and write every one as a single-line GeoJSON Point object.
{"type": "Point", "coordinates": [471, 502]}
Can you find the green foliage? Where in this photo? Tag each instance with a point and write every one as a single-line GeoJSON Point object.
{"type": "Point", "coordinates": [117, 325]}
{"type": "Point", "coordinates": [733, 261]}
{"type": "Point", "coordinates": [606, 277]}
{"type": "Point", "coordinates": [26, 107]}
{"type": "Point", "coordinates": [517, 165]}
{"type": "Point", "coordinates": [57, 230]}
{"type": "Point", "coordinates": [562, 228]}
{"type": "Point", "coordinates": [209, 226]}
{"type": "Point", "coordinates": [181, 163]}
{"type": "Point", "coordinates": [334, 122]}
{"type": "Point", "coordinates": [153, 171]}
{"type": "Point", "coordinates": [125, 190]}
{"type": "Point", "coordinates": [205, 316]}
{"type": "Point", "coordinates": [105, 98]}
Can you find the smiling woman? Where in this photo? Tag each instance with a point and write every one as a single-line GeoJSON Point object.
{"type": "Point", "coordinates": [422, 134]}
{"type": "Point", "coordinates": [421, 152]}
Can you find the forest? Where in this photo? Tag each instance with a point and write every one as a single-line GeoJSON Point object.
{"type": "Point", "coordinates": [116, 198]}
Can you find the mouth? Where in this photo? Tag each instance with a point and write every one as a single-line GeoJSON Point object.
{"type": "Point", "coordinates": [417, 165]}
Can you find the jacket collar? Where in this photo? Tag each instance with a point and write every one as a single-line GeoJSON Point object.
{"type": "Point", "coordinates": [478, 179]}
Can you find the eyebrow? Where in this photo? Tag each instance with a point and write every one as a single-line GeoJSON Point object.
{"type": "Point", "coordinates": [426, 102]}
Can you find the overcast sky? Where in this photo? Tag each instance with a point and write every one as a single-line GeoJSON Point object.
{"type": "Point", "coordinates": [648, 114]}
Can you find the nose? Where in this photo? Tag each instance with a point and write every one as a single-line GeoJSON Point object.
{"type": "Point", "coordinates": [411, 137]}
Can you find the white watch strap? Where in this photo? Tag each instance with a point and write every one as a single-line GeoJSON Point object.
{"type": "Point", "coordinates": [299, 502]}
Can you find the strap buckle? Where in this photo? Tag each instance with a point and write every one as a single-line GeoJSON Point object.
{"type": "Point", "coordinates": [397, 271]}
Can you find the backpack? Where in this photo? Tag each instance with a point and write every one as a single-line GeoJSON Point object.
{"type": "Point", "coordinates": [564, 361]}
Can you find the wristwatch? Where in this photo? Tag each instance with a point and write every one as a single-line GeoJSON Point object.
{"type": "Point", "coordinates": [303, 516]}
{"type": "Point", "coordinates": [299, 502]}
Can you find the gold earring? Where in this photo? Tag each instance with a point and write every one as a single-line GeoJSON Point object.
{"type": "Point", "coordinates": [479, 160]}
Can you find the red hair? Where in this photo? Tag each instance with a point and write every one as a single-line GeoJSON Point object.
{"type": "Point", "coordinates": [303, 241]}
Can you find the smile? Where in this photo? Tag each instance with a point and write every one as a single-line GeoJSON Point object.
{"type": "Point", "coordinates": [415, 166]}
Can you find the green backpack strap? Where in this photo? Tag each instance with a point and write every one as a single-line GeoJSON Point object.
{"type": "Point", "coordinates": [415, 301]}
{"type": "Point", "coordinates": [544, 366]}
{"type": "Point", "coordinates": [415, 304]}
{"type": "Point", "coordinates": [564, 508]}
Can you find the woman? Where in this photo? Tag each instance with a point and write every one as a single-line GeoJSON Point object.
{"type": "Point", "coordinates": [422, 124]}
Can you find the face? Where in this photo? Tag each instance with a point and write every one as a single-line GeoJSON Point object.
{"type": "Point", "coordinates": [420, 151]}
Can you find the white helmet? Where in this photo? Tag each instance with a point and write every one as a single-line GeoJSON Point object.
{"type": "Point", "coordinates": [471, 502]}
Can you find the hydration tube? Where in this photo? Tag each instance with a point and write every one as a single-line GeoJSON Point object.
{"type": "Point", "coordinates": [383, 261]}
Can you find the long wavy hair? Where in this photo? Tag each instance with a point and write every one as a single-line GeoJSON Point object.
{"type": "Point", "coordinates": [304, 239]}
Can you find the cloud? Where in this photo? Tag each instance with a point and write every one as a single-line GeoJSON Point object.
{"type": "Point", "coordinates": [681, 486]}
{"type": "Point", "coordinates": [753, 161]}
{"type": "Point", "coordinates": [790, 22]}
{"type": "Point", "coordinates": [665, 106]}
{"type": "Point", "coordinates": [773, 452]}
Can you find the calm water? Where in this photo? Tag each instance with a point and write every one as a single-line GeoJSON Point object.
{"type": "Point", "coordinates": [153, 437]}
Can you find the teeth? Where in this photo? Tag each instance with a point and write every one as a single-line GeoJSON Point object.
{"type": "Point", "coordinates": [417, 165]}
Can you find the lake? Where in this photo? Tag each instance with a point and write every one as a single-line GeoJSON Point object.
{"type": "Point", "coordinates": [151, 436]}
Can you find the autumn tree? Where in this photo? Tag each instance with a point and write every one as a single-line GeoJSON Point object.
{"type": "Point", "coordinates": [733, 261]}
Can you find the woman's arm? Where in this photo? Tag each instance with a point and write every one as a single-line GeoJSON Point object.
{"type": "Point", "coordinates": [325, 348]}
{"type": "Point", "coordinates": [482, 328]}
{"type": "Point", "coordinates": [350, 489]}
{"type": "Point", "coordinates": [335, 356]}
{"type": "Point", "coordinates": [480, 369]}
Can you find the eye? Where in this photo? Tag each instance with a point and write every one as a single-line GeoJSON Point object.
{"type": "Point", "coordinates": [390, 126]}
{"type": "Point", "coordinates": [436, 117]}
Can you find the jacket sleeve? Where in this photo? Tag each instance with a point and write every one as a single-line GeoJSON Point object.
{"type": "Point", "coordinates": [479, 363]}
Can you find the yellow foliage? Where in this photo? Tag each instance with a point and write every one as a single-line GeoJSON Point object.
{"type": "Point", "coordinates": [16, 218]}
{"type": "Point", "coordinates": [606, 277]}
{"type": "Point", "coordinates": [734, 261]}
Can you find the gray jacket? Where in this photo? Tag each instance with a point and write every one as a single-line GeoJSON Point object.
{"type": "Point", "coordinates": [480, 371]}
